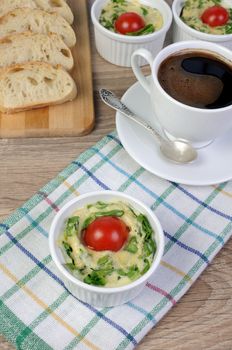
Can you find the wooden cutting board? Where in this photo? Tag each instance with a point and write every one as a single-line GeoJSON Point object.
{"type": "Point", "coordinates": [71, 118]}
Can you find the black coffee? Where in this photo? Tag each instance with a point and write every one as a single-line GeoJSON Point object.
{"type": "Point", "coordinates": [198, 79]}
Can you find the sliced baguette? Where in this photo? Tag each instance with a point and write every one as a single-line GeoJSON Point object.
{"type": "Point", "coordinates": [37, 21]}
{"type": "Point", "coordinates": [9, 5]}
{"type": "Point", "coordinates": [29, 46]}
{"type": "Point", "coordinates": [34, 85]}
{"type": "Point", "coordinates": [57, 6]}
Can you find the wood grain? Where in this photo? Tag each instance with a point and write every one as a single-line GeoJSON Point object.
{"type": "Point", "coordinates": [71, 118]}
{"type": "Point", "coordinates": [202, 319]}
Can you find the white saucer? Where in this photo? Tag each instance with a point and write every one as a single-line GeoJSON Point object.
{"type": "Point", "coordinates": [214, 162]}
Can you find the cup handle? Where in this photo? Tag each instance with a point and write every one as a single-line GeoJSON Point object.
{"type": "Point", "coordinates": [143, 79]}
{"type": "Point", "coordinates": [137, 70]}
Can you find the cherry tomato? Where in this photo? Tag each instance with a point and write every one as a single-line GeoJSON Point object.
{"type": "Point", "coordinates": [129, 22]}
{"type": "Point", "coordinates": [106, 233]}
{"type": "Point", "coordinates": [215, 16]}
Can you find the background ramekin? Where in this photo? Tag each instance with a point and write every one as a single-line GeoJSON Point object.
{"type": "Point", "coordinates": [182, 32]}
{"type": "Point", "coordinates": [118, 48]}
{"type": "Point", "coordinates": [101, 296]}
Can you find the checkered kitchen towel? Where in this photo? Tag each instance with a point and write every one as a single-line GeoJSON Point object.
{"type": "Point", "coordinates": [38, 312]}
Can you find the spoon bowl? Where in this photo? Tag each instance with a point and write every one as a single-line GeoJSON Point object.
{"type": "Point", "coordinates": [179, 151]}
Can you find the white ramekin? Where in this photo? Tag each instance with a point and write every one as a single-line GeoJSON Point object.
{"type": "Point", "coordinates": [182, 32]}
{"type": "Point", "coordinates": [101, 296]}
{"type": "Point", "coordinates": [118, 48]}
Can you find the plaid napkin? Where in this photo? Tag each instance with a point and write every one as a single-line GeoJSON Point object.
{"type": "Point", "coordinates": [38, 312]}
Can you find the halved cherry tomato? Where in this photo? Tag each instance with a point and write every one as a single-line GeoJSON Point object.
{"type": "Point", "coordinates": [106, 233]}
{"type": "Point", "coordinates": [215, 16]}
{"type": "Point", "coordinates": [129, 22]}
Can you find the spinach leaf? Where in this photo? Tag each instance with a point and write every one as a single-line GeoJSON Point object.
{"type": "Point", "coordinates": [133, 212]}
{"type": "Point", "coordinates": [98, 277]}
{"type": "Point", "coordinates": [144, 10]}
{"type": "Point", "coordinates": [72, 226]}
{"type": "Point", "coordinates": [98, 204]}
{"type": "Point", "coordinates": [71, 266]}
{"type": "Point", "coordinates": [146, 267]}
{"type": "Point", "coordinates": [230, 13]}
{"type": "Point", "coordinates": [121, 2]}
{"type": "Point", "coordinates": [115, 212]}
{"type": "Point", "coordinates": [148, 29]}
{"type": "Point", "coordinates": [132, 272]}
{"type": "Point", "coordinates": [149, 247]}
{"type": "Point", "coordinates": [101, 205]}
{"type": "Point", "coordinates": [200, 4]}
{"type": "Point", "coordinates": [121, 272]}
{"type": "Point", "coordinates": [88, 221]}
{"type": "Point", "coordinates": [114, 17]}
{"type": "Point", "coordinates": [95, 278]}
{"type": "Point", "coordinates": [106, 23]}
{"type": "Point", "coordinates": [98, 214]}
{"type": "Point", "coordinates": [217, 2]}
{"type": "Point", "coordinates": [104, 260]}
{"type": "Point", "coordinates": [106, 270]}
{"type": "Point", "coordinates": [68, 250]}
{"type": "Point", "coordinates": [132, 245]}
{"type": "Point", "coordinates": [146, 227]}
{"type": "Point", "coordinates": [228, 28]}
{"type": "Point", "coordinates": [105, 265]}
{"type": "Point", "coordinates": [186, 4]}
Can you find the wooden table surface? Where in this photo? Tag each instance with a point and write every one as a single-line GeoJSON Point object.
{"type": "Point", "coordinates": [203, 317]}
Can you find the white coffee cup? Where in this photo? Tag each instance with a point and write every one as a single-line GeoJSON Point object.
{"type": "Point", "coordinates": [199, 126]}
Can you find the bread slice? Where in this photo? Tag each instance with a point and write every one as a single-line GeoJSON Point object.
{"type": "Point", "coordinates": [29, 46]}
{"type": "Point", "coordinates": [34, 85]}
{"type": "Point", "coordinates": [9, 5]}
{"type": "Point", "coordinates": [57, 6]}
{"type": "Point", "coordinates": [38, 21]}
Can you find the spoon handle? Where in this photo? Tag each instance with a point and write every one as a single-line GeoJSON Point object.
{"type": "Point", "coordinates": [113, 101]}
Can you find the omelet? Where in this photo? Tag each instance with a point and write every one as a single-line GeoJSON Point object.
{"type": "Point", "coordinates": [193, 10]}
{"type": "Point", "coordinates": [108, 268]}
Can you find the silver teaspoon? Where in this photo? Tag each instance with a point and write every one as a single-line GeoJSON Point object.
{"type": "Point", "coordinates": [179, 151]}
